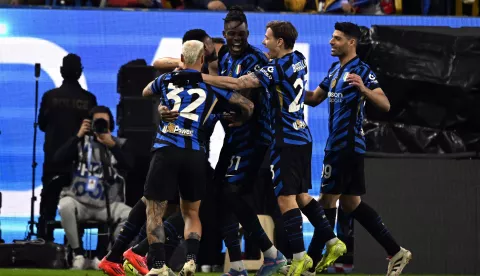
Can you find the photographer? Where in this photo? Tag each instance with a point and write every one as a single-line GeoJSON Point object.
{"type": "Point", "coordinates": [62, 111]}
{"type": "Point", "coordinates": [99, 158]}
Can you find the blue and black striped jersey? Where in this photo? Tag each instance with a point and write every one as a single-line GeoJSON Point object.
{"type": "Point", "coordinates": [346, 105]}
{"type": "Point", "coordinates": [195, 103]}
{"type": "Point", "coordinates": [259, 126]}
{"type": "Point", "coordinates": [285, 79]}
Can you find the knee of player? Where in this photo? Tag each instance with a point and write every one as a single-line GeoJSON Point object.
{"type": "Point", "coordinates": [303, 199]}
{"type": "Point", "coordinates": [329, 201]}
{"type": "Point", "coordinates": [66, 206]}
{"type": "Point", "coordinates": [349, 203]}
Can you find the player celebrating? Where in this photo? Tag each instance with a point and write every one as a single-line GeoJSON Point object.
{"type": "Point", "coordinates": [284, 77]}
{"type": "Point", "coordinates": [178, 163]}
{"type": "Point", "coordinates": [112, 263]}
{"type": "Point", "coordinates": [243, 151]}
{"type": "Point", "coordinates": [349, 83]}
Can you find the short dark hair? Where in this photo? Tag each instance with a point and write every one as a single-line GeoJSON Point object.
{"type": "Point", "coordinates": [194, 34]}
{"type": "Point", "coordinates": [219, 40]}
{"type": "Point", "coordinates": [103, 109]}
{"type": "Point", "coordinates": [284, 30]}
{"type": "Point", "coordinates": [349, 29]}
{"type": "Point", "coordinates": [235, 13]}
{"type": "Point", "coordinates": [71, 67]}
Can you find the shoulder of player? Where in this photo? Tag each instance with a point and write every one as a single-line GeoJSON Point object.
{"type": "Point", "coordinates": [222, 52]}
{"type": "Point", "coordinates": [361, 69]}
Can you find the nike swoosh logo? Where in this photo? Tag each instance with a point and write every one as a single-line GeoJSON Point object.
{"type": "Point", "coordinates": [223, 72]}
{"type": "Point", "coordinates": [229, 175]}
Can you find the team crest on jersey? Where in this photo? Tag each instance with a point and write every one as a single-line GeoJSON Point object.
{"type": "Point", "coordinates": [334, 81]}
{"type": "Point", "coordinates": [299, 124]}
{"type": "Point", "coordinates": [174, 129]}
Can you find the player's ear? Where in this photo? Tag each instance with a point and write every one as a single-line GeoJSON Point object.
{"type": "Point", "coordinates": [248, 33]}
{"type": "Point", "coordinates": [182, 59]}
{"type": "Point", "coordinates": [224, 34]}
{"type": "Point", "coordinates": [202, 59]}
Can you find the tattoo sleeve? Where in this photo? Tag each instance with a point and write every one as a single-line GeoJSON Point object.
{"type": "Point", "coordinates": [245, 104]}
{"type": "Point", "coordinates": [155, 212]}
{"type": "Point", "coordinates": [249, 81]}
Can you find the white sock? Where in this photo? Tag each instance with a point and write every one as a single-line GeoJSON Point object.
{"type": "Point", "coordinates": [298, 256]}
{"type": "Point", "coordinates": [332, 241]}
{"type": "Point", "coordinates": [238, 265]}
{"type": "Point", "coordinates": [271, 253]}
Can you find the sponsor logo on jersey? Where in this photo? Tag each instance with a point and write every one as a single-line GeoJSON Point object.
{"type": "Point", "coordinates": [267, 72]}
{"type": "Point", "coordinates": [174, 129]}
{"type": "Point", "coordinates": [335, 97]}
{"type": "Point", "coordinates": [299, 124]}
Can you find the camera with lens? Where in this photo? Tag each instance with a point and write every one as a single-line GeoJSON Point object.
{"type": "Point", "coordinates": [100, 126]}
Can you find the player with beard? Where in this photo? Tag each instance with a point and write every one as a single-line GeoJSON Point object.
{"type": "Point", "coordinates": [349, 83]}
{"type": "Point", "coordinates": [284, 78]}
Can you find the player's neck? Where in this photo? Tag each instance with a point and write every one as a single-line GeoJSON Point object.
{"type": "Point", "coordinates": [194, 67]}
{"type": "Point", "coordinates": [345, 59]}
{"type": "Point", "coordinates": [284, 52]}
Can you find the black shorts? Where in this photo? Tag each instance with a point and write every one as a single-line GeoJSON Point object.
{"type": "Point", "coordinates": [291, 169]}
{"type": "Point", "coordinates": [173, 170]}
{"type": "Point", "coordinates": [238, 168]}
{"type": "Point", "coordinates": [343, 173]}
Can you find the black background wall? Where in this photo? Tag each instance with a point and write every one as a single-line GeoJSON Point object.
{"type": "Point", "coordinates": [432, 207]}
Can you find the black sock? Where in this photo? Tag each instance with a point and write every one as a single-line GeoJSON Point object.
{"type": "Point", "coordinates": [293, 224]}
{"type": "Point", "coordinates": [372, 222]}
{"type": "Point", "coordinates": [143, 232]}
{"type": "Point", "coordinates": [193, 245]}
{"type": "Point", "coordinates": [230, 236]}
{"type": "Point", "coordinates": [79, 251]}
{"type": "Point", "coordinates": [156, 255]}
{"type": "Point", "coordinates": [129, 230]}
{"type": "Point", "coordinates": [331, 214]}
{"type": "Point", "coordinates": [141, 248]}
{"type": "Point", "coordinates": [249, 220]}
{"type": "Point", "coordinates": [323, 231]}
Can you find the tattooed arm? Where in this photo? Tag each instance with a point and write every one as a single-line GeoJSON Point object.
{"type": "Point", "coordinates": [244, 82]}
{"type": "Point", "coordinates": [155, 212]}
{"type": "Point", "coordinates": [167, 64]}
{"type": "Point", "coordinates": [246, 107]}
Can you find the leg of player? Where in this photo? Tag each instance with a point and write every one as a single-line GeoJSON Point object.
{"type": "Point", "coordinates": [230, 228]}
{"type": "Point", "coordinates": [372, 222]}
{"type": "Point", "coordinates": [292, 217]}
{"type": "Point", "coordinates": [135, 256]}
{"type": "Point", "coordinates": [156, 237]}
{"type": "Point", "coordinates": [323, 234]}
{"type": "Point", "coordinates": [192, 234]}
{"type": "Point", "coordinates": [130, 229]}
{"type": "Point", "coordinates": [273, 259]}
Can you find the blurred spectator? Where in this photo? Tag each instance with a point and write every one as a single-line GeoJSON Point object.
{"type": "Point", "coordinates": [217, 5]}
{"type": "Point", "coordinates": [301, 5]}
{"type": "Point", "coordinates": [62, 111]}
{"type": "Point", "coordinates": [99, 159]}
{"type": "Point", "coordinates": [372, 7]}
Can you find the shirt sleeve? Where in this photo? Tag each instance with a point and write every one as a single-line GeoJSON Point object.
{"type": "Point", "coordinates": [222, 93]}
{"type": "Point", "coordinates": [370, 80]}
{"type": "Point", "coordinates": [325, 84]}
{"type": "Point", "coordinates": [156, 85]}
{"type": "Point", "coordinates": [269, 75]}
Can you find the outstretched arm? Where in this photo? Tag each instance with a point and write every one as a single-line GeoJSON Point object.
{"type": "Point", "coordinates": [316, 97]}
{"type": "Point", "coordinates": [244, 82]}
{"type": "Point", "coordinates": [147, 91]}
{"type": "Point", "coordinates": [167, 64]}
